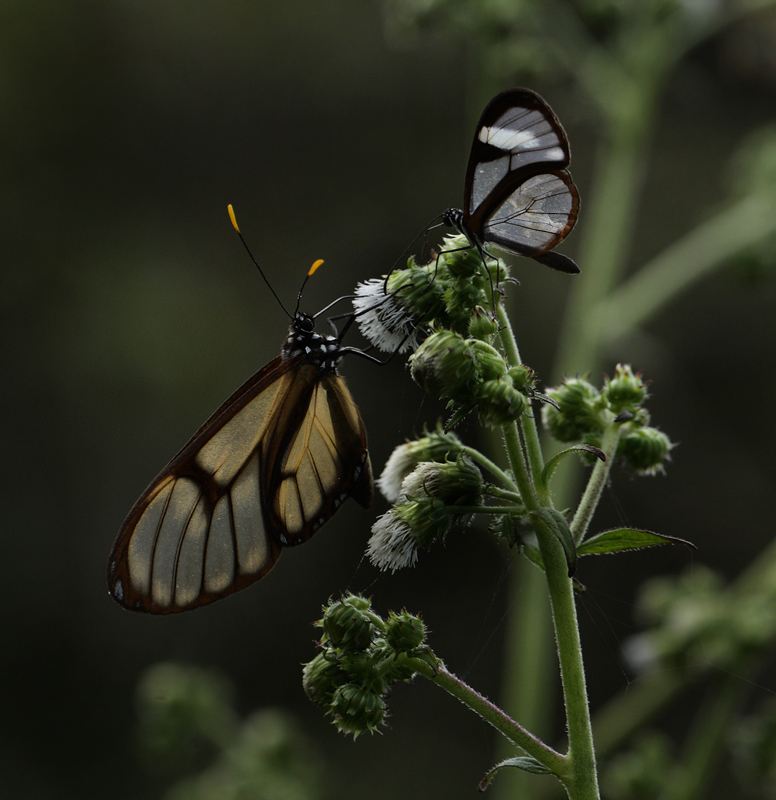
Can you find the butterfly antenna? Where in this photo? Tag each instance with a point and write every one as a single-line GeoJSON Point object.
{"type": "Point", "coordinates": [256, 263]}
{"type": "Point", "coordinates": [307, 277]}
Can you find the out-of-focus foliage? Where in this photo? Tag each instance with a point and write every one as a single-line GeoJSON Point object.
{"type": "Point", "coordinates": [187, 721]}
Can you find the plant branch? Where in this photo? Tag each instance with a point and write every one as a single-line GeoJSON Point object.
{"type": "Point", "coordinates": [490, 466]}
{"type": "Point", "coordinates": [515, 732]}
{"type": "Point", "coordinates": [596, 483]}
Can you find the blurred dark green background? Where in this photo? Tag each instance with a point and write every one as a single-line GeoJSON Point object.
{"type": "Point", "coordinates": [130, 312]}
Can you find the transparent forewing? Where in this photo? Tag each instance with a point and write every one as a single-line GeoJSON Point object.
{"type": "Point", "coordinates": [322, 462]}
{"type": "Point", "coordinates": [266, 470]}
{"type": "Point", "coordinates": [536, 216]}
{"type": "Point", "coordinates": [517, 134]}
{"type": "Point", "coordinates": [198, 532]}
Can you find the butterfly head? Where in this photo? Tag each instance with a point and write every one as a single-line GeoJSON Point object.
{"type": "Point", "coordinates": [453, 218]}
{"type": "Point", "coordinates": [314, 348]}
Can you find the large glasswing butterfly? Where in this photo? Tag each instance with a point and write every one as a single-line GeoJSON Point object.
{"type": "Point", "coordinates": [518, 194]}
{"type": "Point", "coordinates": [265, 472]}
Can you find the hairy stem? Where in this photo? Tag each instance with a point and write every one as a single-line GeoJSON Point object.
{"type": "Point", "coordinates": [583, 778]}
{"type": "Point", "coordinates": [515, 732]}
{"type": "Point", "coordinates": [596, 483]}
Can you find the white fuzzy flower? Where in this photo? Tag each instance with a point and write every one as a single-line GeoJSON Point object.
{"type": "Point", "coordinates": [392, 545]}
{"type": "Point", "coordinates": [382, 321]}
{"type": "Point", "coordinates": [400, 463]}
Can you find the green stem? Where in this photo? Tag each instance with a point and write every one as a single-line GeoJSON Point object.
{"type": "Point", "coordinates": [507, 336]}
{"type": "Point", "coordinates": [515, 732]}
{"type": "Point", "coordinates": [518, 465]}
{"type": "Point", "coordinates": [609, 217]}
{"type": "Point", "coordinates": [460, 510]}
{"type": "Point", "coordinates": [528, 423]}
{"type": "Point", "coordinates": [503, 494]}
{"type": "Point", "coordinates": [583, 778]}
{"type": "Point", "coordinates": [596, 483]}
{"type": "Point", "coordinates": [485, 462]}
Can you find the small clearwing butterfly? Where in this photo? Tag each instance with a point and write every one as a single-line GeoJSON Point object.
{"type": "Point", "coordinates": [266, 471]}
{"type": "Point", "coordinates": [518, 194]}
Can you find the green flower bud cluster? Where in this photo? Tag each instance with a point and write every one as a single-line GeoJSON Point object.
{"type": "Point", "coordinates": [450, 287]}
{"type": "Point", "coordinates": [362, 656]}
{"type": "Point", "coordinates": [474, 374]}
{"type": "Point", "coordinates": [582, 413]}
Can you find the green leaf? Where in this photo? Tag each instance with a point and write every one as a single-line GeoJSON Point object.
{"type": "Point", "coordinates": [534, 556]}
{"type": "Point", "coordinates": [557, 524]}
{"type": "Point", "coordinates": [552, 464]}
{"type": "Point", "coordinates": [545, 398]}
{"type": "Point", "coordinates": [525, 763]}
{"type": "Point", "coordinates": [619, 539]}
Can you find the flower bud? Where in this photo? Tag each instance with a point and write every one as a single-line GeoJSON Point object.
{"type": "Point", "coordinates": [456, 482]}
{"type": "Point", "coordinates": [645, 450]}
{"type": "Point", "coordinates": [577, 414]}
{"type": "Point", "coordinates": [435, 446]}
{"type": "Point", "coordinates": [384, 321]}
{"type": "Point", "coordinates": [427, 517]}
{"type": "Point", "coordinates": [523, 379]}
{"type": "Point", "coordinates": [364, 668]}
{"type": "Point", "coordinates": [356, 709]}
{"type": "Point", "coordinates": [392, 544]}
{"type": "Point", "coordinates": [444, 366]}
{"type": "Point", "coordinates": [482, 324]}
{"type": "Point", "coordinates": [499, 402]}
{"type": "Point", "coordinates": [426, 511]}
{"type": "Point", "coordinates": [348, 624]}
{"type": "Point", "coordinates": [404, 632]}
{"type": "Point", "coordinates": [458, 259]}
{"type": "Point", "coordinates": [418, 290]}
{"type": "Point", "coordinates": [321, 677]}
{"type": "Point", "coordinates": [626, 391]}
{"type": "Point", "coordinates": [489, 362]}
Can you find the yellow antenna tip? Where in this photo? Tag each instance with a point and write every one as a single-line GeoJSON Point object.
{"type": "Point", "coordinates": [232, 217]}
{"type": "Point", "coordinates": [314, 267]}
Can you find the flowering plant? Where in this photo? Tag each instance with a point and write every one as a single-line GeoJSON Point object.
{"type": "Point", "coordinates": [450, 312]}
